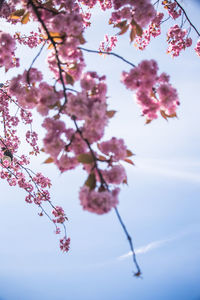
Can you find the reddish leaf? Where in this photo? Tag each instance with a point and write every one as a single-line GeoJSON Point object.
{"type": "Point", "coordinates": [139, 30]}
{"type": "Point", "coordinates": [25, 18]}
{"type": "Point", "coordinates": [17, 14]}
{"type": "Point", "coordinates": [129, 153]}
{"type": "Point", "coordinates": [163, 114]}
{"type": "Point", "coordinates": [123, 30]}
{"type": "Point", "coordinates": [129, 161]}
{"type": "Point", "coordinates": [132, 34]}
{"type": "Point", "coordinates": [110, 113]}
{"type": "Point", "coordinates": [48, 160]}
{"type": "Point", "coordinates": [102, 158]}
{"type": "Point", "coordinates": [148, 121]}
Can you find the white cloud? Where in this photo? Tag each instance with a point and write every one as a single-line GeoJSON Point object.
{"type": "Point", "coordinates": [160, 243]}
{"type": "Point", "coordinates": [172, 168]}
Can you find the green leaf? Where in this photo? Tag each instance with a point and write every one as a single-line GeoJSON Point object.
{"type": "Point", "coordinates": [85, 158]}
{"type": "Point", "coordinates": [69, 79]}
{"type": "Point", "coordinates": [91, 181]}
{"type": "Point", "coordinates": [18, 13]}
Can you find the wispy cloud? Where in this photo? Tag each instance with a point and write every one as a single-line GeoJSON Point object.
{"type": "Point", "coordinates": [173, 169]}
{"type": "Point", "coordinates": [149, 247]}
{"type": "Point", "coordinates": [160, 243]}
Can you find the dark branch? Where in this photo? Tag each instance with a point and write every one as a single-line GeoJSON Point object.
{"type": "Point", "coordinates": [54, 45]}
{"type": "Point", "coordinates": [138, 273]}
{"type": "Point", "coordinates": [34, 61]}
{"type": "Point", "coordinates": [109, 53]}
{"type": "Point", "coordinates": [104, 183]}
{"type": "Point", "coordinates": [184, 12]}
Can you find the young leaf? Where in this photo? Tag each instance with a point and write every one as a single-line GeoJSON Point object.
{"type": "Point", "coordinates": [50, 46]}
{"type": "Point", "coordinates": [123, 30]}
{"type": "Point", "coordinates": [129, 161]}
{"type": "Point", "coordinates": [163, 114]}
{"type": "Point", "coordinates": [25, 18]}
{"type": "Point", "coordinates": [132, 34]}
{"type": "Point", "coordinates": [91, 181]}
{"type": "Point", "coordinates": [85, 158]}
{"type": "Point", "coordinates": [139, 30]}
{"type": "Point", "coordinates": [110, 113]}
{"type": "Point", "coordinates": [69, 79]}
{"type": "Point", "coordinates": [48, 160]}
{"type": "Point", "coordinates": [102, 158]}
{"type": "Point", "coordinates": [129, 153]}
{"type": "Point", "coordinates": [17, 14]}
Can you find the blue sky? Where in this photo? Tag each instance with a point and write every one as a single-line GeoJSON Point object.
{"type": "Point", "coordinates": [160, 205]}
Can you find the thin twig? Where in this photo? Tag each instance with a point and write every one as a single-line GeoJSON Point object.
{"type": "Point", "coordinates": [191, 24]}
{"type": "Point", "coordinates": [138, 273]}
{"type": "Point", "coordinates": [103, 182]}
{"type": "Point", "coordinates": [109, 53]}
{"type": "Point", "coordinates": [34, 61]}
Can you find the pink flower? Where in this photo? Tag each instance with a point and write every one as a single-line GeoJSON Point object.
{"type": "Point", "coordinates": [64, 244]}
{"type": "Point", "coordinates": [115, 175]}
{"type": "Point", "coordinates": [99, 202]}
{"type": "Point", "coordinates": [197, 48]}
{"type": "Point", "coordinates": [115, 148]}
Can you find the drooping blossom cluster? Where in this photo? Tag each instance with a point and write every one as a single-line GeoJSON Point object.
{"type": "Point", "coordinates": [154, 93]}
{"type": "Point", "coordinates": [140, 12]}
{"type": "Point", "coordinates": [177, 40]}
{"type": "Point", "coordinates": [104, 4]}
{"type": "Point", "coordinates": [59, 214]}
{"type": "Point", "coordinates": [99, 202]}
{"type": "Point", "coordinates": [32, 40]}
{"type": "Point", "coordinates": [108, 44]}
{"type": "Point", "coordinates": [197, 48]}
{"type": "Point", "coordinates": [153, 31]}
{"type": "Point", "coordinates": [7, 51]}
{"type": "Point", "coordinates": [173, 10]}
{"type": "Point", "coordinates": [64, 244]}
{"type": "Point", "coordinates": [32, 138]}
{"type": "Point", "coordinates": [14, 166]}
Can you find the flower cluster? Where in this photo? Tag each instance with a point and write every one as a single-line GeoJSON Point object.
{"type": "Point", "coordinates": [59, 214]}
{"type": "Point", "coordinates": [197, 48]}
{"type": "Point", "coordinates": [172, 9]}
{"type": "Point", "coordinates": [14, 167]}
{"type": "Point", "coordinates": [153, 31]}
{"type": "Point", "coordinates": [32, 138]}
{"type": "Point", "coordinates": [141, 12]}
{"type": "Point", "coordinates": [177, 40]}
{"type": "Point", "coordinates": [7, 48]}
{"type": "Point", "coordinates": [108, 44]}
{"type": "Point", "coordinates": [32, 40]}
{"type": "Point", "coordinates": [153, 93]}
{"type": "Point", "coordinates": [99, 202]}
{"type": "Point", "coordinates": [64, 244]}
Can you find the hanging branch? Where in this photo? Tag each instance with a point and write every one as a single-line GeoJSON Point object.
{"type": "Point", "coordinates": [185, 14]}
{"type": "Point", "coordinates": [104, 183]}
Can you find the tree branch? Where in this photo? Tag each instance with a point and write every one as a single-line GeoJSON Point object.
{"type": "Point", "coordinates": [109, 53]}
{"type": "Point", "coordinates": [138, 273]}
{"type": "Point", "coordinates": [54, 45]}
{"type": "Point", "coordinates": [185, 14]}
